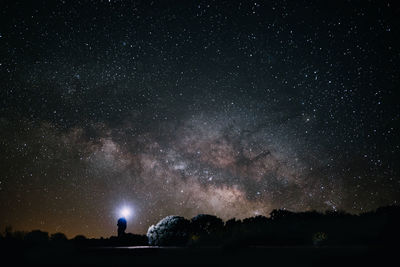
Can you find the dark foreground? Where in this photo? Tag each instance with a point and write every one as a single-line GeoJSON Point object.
{"type": "Point", "coordinates": [161, 256]}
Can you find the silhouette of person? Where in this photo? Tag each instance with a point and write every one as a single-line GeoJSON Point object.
{"type": "Point", "coordinates": [121, 226]}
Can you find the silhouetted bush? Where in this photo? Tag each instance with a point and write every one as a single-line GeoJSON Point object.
{"type": "Point", "coordinates": [170, 231]}
{"type": "Point", "coordinates": [283, 228]}
{"type": "Point", "coordinates": [37, 237]}
{"type": "Point", "coordinates": [79, 238]}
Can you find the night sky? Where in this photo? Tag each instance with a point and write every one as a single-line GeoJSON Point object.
{"type": "Point", "coordinates": [230, 108]}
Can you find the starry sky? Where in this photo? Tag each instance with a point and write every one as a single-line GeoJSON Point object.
{"type": "Point", "coordinates": [231, 108]}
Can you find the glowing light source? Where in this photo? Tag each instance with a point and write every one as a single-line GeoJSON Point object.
{"type": "Point", "coordinates": [125, 212]}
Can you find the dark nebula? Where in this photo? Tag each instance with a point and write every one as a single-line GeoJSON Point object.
{"type": "Point", "coordinates": [230, 108]}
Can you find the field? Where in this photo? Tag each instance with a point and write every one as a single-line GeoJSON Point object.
{"type": "Point", "coordinates": [179, 256]}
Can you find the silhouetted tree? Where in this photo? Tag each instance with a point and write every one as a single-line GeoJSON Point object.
{"type": "Point", "coordinates": [58, 238]}
{"type": "Point", "coordinates": [280, 214]}
{"type": "Point", "coordinates": [204, 224]}
{"type": "Point", "coordinates": [8, 232]}
{"type": "Point", "coordinates": [232, 223]}
{"type": "Point", "coordinates": [206, 229]}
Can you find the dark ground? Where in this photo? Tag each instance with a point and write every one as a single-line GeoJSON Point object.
{"type": "Point", "coordinates": [250, 256]}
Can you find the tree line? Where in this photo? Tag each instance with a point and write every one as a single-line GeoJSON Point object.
{"type": "Point", "coordinates": [281, 228]}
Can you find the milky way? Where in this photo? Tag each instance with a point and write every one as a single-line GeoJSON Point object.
{"type": "Point", "coordinates": [232, 109]}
